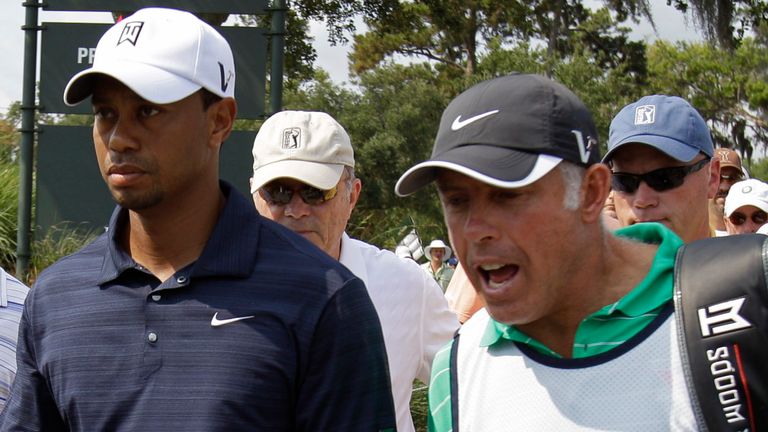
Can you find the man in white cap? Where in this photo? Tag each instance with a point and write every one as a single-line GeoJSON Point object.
{"type": "Point", "coordinates": [746, 207]}
{"type": "Point", "coordinates": [438, 253]}
{"type": "Point", "coordinates": [304, 179]}
{"type": "Point", "coordinates": [191, 313]}
{"type": "Point", "coordinates": [579, 330]}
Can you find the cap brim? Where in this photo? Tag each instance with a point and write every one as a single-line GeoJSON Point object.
{"type": "Point", "coordinates": [672, 148]}
{"type": "Point", "coordinates": [151, 83]}
{"type": "Point", "coordinates": [497, 166]}
{"type": "Point", "coordinates": [729, 165]}
{"type": "Point", "coordinates": [319, 175]}
{"type": "Point", "coordinates": [762, 205]}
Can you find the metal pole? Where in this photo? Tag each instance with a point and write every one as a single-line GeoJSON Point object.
{"type": "Point", "coordinates": [26, 158]}
{"type": "Point", "coordinates": [278, 45]}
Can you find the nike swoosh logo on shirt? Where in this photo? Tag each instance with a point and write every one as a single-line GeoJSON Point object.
{"type": "Point", "coordinates": [216, 322]}
{"type": "Point", "coordinates": [458, 123]}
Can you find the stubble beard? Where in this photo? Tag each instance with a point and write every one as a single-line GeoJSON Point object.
{"type": "Point", "coordinates": [138, 201]}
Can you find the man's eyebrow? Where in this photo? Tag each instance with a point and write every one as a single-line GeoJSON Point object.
{"type": "Point", "coordinates": [97, 100]}
{"type": "Point", "coordinates": [448, 186]}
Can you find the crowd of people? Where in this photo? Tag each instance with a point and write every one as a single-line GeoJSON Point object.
{"type": "Point", "coordinates": [554, 306]}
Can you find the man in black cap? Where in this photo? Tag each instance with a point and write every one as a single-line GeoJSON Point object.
{"type": "Point", "coordinates": [578, 329]}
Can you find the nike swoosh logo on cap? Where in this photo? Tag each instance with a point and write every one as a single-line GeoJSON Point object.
{"type": "Point", "coordinates": [224, 82]}
{"type": "Point", "coordinates": [458, 123]}
{"type": "Point", "coordinates": [216, 322]}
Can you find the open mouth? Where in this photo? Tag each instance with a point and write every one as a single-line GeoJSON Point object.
{"type": "Point", "coordinates": [496, 275]}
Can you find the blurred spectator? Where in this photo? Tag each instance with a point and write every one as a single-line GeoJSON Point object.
{"type": "Point", "coordinates": [731, 171]}
{"type": "Point", "coordinates": [438, 253]}
{"type": "Point", "coordinates": [746, 206]}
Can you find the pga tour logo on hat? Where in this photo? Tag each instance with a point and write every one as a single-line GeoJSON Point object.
{"type": "Point", "coordinates": [291, 138]}
{"type": "Point", "coordinates": [308, 146]}
{"type": "Point", "coordinates": [667, 123]}
{"type": "Point", "coordinates": [645, 114]}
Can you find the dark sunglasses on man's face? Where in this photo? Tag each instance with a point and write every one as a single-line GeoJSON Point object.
{"type": "Point", "coordinates": [759, 217]}
{"type": "Point", "coordinates": [660, 180]}
{"type": "Point", "coordinates": [733, 178]}
{"type": "Point", "coordinates": [279, 194]}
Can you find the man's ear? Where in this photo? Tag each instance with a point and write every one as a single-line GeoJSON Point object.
{"type": "Point", "coordinates": [594, 190]}
{"type": "Point", "coordinates": [354, 196]}
{"type": "Point", "coordinates": [714, 177]}
{"type": "Point", "coordinates": [221, 116]}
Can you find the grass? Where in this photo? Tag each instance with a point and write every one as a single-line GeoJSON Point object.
{"type": "Point", "coordinates": [419, 406]}
{"type": "Point", "coordinates": [9, 204]}
{"type": "Point", "coordinates": [59, 241]}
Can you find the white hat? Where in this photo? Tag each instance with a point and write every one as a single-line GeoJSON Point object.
{"type": "Point", "coordinates": [308, 146]}
{"type": "Point", "coordinates": [438, 244]}
{"type": "Point", "coordinates": [747, 192]}
{"type": "Point", "coordinates": [164, 55]}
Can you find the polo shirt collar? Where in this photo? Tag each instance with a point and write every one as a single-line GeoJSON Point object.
{"type": "Point", "coordinates": [643, 298]}
{"type": "Point", "coordinates": [352, 259]}
{"type": "Point", "coordinates": [230, 250]}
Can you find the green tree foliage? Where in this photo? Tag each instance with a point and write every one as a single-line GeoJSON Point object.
{"type": "Point", "coordinates": [759, 169]}
{"type": "Point", "coordinates": [604, 81]}
{"type": "Point", "coordinates": [299, 55]}
{"type": "Point", "coordinates": [393, 126]}
{"type": "Point", "coordinates": [725, 22]}
{"type": "Point", "coordinates": [9, 204]}
{"type": "Point", "coordinates": [339, 16]}
{"type": "Point", "coordinates": [452, 34]}
{"type": "Point", "coordinates": [728, 88]}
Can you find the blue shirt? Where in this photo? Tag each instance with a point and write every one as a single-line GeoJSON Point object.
{"type": "Point", "coordinates": [263, 332]}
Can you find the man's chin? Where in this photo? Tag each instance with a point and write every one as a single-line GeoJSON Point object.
{"type": "Point", "coordinates": [720, 202]}
{"type": "Point", "coordinates": [136, 202]}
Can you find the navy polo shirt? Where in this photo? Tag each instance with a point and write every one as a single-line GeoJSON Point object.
{"type": "Point", "coordinates": [263, 332]}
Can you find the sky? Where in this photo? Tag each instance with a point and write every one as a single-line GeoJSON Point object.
{"type": "Point", "coordinates": [671, 25]}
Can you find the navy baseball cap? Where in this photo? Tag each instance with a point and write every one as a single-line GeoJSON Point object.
{"type": "Point", "coordinates": [508, 132]}
{"type": "Point", "coordinates": [666, 123]}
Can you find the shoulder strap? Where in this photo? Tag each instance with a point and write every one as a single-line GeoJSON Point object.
{"type": "Point", "coordinates": [721, 303]}
{"type": "Point", "coordinates": [455, 383]}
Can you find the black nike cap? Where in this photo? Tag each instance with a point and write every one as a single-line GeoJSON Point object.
{"type": "Point", "coordinates": [508, 132]}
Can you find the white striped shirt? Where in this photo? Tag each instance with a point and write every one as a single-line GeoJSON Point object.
{"type": "Point", "coordinates": [12, 295]}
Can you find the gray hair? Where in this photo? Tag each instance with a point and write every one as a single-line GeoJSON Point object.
{"type": "Point", "coordinates": [350, 173]}
{"type": "Point", "coordinates": [572, 177]}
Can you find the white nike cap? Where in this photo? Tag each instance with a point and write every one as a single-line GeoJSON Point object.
{"type": "Point", "coordinates": [308, 146]}
{"type": "Point", "coordinates": [508, 132]}
{"type": "Point", "coordinates": [164, 55]}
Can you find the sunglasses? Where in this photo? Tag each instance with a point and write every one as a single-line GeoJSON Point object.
{"type": "Point", "coordinates": [278, 194]}
{"type": "Point", "coordinates": [759, 217]}
{"type": "Point", "coordinates": [734, 178]}
{"type": "Point", "coordinates": [660, 180]}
